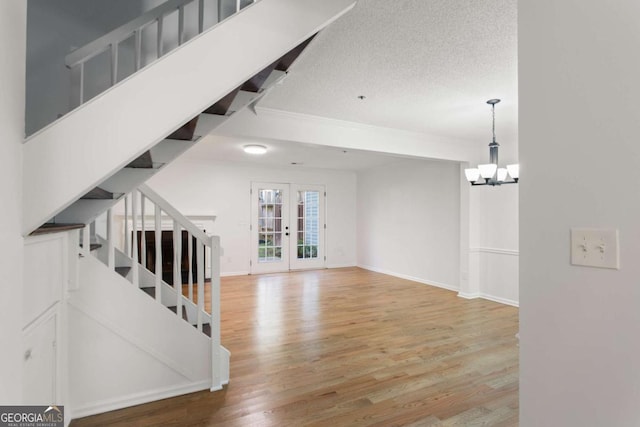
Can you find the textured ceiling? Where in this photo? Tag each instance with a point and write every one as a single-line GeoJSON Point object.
{"type": "Point", "coordinates": [423, 65]}
{"type": "Point", "coordinates": [284, 153]}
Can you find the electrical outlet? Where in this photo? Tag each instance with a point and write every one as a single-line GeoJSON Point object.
{"type": "Point", "coordinates": [593, 247]}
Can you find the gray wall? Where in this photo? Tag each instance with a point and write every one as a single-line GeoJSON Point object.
{"type": "Point", "coordinates": [54, 29]}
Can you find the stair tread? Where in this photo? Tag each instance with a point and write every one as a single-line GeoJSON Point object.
{"type": "Point", "coordinates": [98, 194]}
{"type": "Point", "coordinates": [175, 310]}
{"type": "Point", "coordinates": [93, 246]}
{"type": "Point", "coordinates": [151, 291]}
{"type": "Point", "coordinates": [206, 329]}
{"type": "Point", "coordinates": [56, 228]}
{"type": "Point", "coordinates": [254, 84]}
{"type": "Point", "coordinates": [123, 271]}
{"type": "Point", "coordinates": [285, 62]}
{"type": "Point", "coordinates": [186, 131]}
{"type": "Point", "coordinates": [221, 107]}
{"type": "Point", "coordinates": [143, 161]}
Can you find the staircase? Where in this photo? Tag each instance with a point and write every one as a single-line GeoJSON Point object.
{"type": "Point", "coordinates": [78, 168]}
{"type": "Point", "coordinates": [143, 270]}
{"type": "Point", "coordinates": [97, 141]}
{"type": "Point", "coordinates": [111, 190]}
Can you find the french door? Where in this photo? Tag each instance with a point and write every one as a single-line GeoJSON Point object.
{"type": "Point", "coordinates": [287, 227]}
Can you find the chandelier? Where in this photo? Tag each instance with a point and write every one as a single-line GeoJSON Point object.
{"type": "Point", "coordinates": [490, 173]}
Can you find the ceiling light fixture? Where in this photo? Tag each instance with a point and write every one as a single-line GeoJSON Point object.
{"type": "Point", "coordinates": [490, 173]}
{"type": "Point", "coordinates": [254, 149]}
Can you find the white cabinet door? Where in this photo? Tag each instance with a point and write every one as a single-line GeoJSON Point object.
{"type": "Point", "coordinates": [40, 363]}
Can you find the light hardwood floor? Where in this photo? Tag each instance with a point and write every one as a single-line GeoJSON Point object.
{"type": "Point", "coordinates": [349, 347]}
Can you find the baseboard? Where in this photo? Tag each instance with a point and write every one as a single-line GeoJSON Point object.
{"type": "Point", "coordinates": [412, 278]}
{"type": "Point", "coordinates": [246, 273]}
{"type": "Point", "coordinates": [497, 251]}
{"type": "Point", "coordinates": [137, 399]}
{"type": "Point", "coordinates": [489, 298]}
{"type": "Point", "coordinates": [234, 273]}
{"type": "Point", "coordinates": [341, 265]}
{"type": "Point", "coordinates": [468, 296]}
{"type": "Point", "coordinates": [500, 300]}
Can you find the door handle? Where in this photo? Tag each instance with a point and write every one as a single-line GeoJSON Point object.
{"type": "Point", "coordinates": [286, 234]}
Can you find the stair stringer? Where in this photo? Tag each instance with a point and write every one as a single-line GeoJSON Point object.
{"type": "Point", "coordinates": [125, 349]}
{"type": "Point", "coordinates": [74, 154]}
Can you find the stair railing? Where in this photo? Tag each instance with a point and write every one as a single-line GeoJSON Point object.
{"type": "Point", "coordinates": [133, 30]}
{"type": "Point", "coordinates": [164, 214]}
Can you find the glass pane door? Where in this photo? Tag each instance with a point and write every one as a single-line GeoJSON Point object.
{"type": "Point", "coordinates": [270, 229]}
{"type": "Point", "coordinates": [287, 227]}
{"type": "Point", "coordinates": [307, 249]}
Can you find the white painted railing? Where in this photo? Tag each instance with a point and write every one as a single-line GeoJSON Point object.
{"type": "Point", "coordinates": [135, 222]}
{"type": "Point", "coordinates": [156, 18]}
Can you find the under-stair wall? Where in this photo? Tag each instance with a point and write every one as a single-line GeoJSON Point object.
{"type": "Point", "coordinates": [126, 349]}
{"type": "Point", "coordinates": [73, 155]}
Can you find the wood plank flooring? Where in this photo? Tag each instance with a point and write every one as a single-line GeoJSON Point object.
{"type": "Point", "coordinates": [349, 347]}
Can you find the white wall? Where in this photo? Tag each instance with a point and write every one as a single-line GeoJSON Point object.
{"type": "Point", "coordinates": [490, 216]}
{"type": "Point", "coordinates": [579, 128]}
{"type": "Point", "coordinates": [222, 189]}
{"type": "Point", "coordinates": [494, 242]}
{"type": "Point", "coordinates": [408, 221]}
{"type": "Point", "coordinates": [13, 21]}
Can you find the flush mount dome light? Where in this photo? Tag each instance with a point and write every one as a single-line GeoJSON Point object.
{"type": "Point", "coordinates": [254, 149]}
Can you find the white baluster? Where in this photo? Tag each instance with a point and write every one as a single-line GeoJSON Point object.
{"type": "Point", "coordinates": [111, 253]}
{"type": "Point", "coordinates": [134, 218]}
{"type": "Point", "coordinates": [137, 48]}
{"type": "Point", "coordinates": [215, 312]}
{"type": "Point", "coordinates": [86, 241]}
{"type": "Point", "coordinates": [114, 63]}
{"type": "Point", "coordinates": [190, 256]}
{"type": "Point", "coordinates": [200, 290]}
{"type": "Point", "coordinates": [237, 6]}
{"type": "Point", "coordinates": [127, 241]}
{"type": "Point", "coordinates": [180, 25]}
{"type": "Point", "coordinates": [200, 16]}
{"type": "Point", "coordinates": [158, 236]}
{"type": "Point", "coordinates": [77, 86]}
{"type": "Point", "coordinates": [159, 47]}
{"type": "Point", "coordinates": [143, 232]}
{"type": "Point", "coordinates": [177, 267]}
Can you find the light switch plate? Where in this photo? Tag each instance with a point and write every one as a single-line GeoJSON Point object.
{"type": "Point", "coordinates": [593, 247]}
